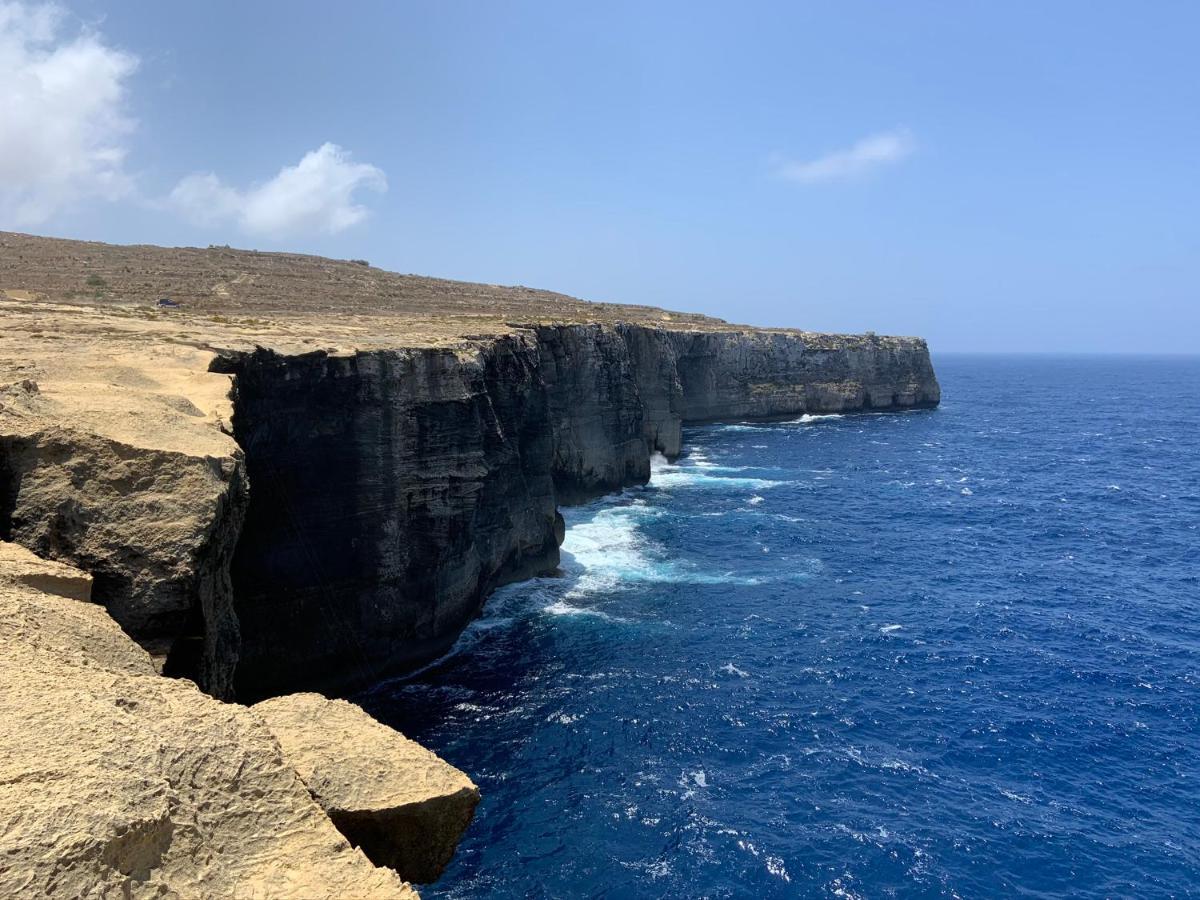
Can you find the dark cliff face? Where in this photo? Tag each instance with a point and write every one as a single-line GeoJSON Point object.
{"type": "Point", "coordinates": [595, 411]}
{"type": "Point", "coordinates": [392, 490]}
{"type": "Point", "coordinates": [730, 375]}
{"type": "Point", "coordinates": [656, 371]}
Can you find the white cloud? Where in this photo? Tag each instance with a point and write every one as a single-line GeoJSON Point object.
{"type": "Point", "coordinates": [314, 196]}
{"type": "Point", "coordinates": [63, 122]}
{"type": "Point", "coordinates": [873, 152]}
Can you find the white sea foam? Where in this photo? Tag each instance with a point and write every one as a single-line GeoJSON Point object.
{"type": "Point", "coordinates": [693, 478]}
{"type": "Point", "coordinates": [888, 629]}
{"type": "Point", "coordinates": [698, 460]}
{"type": "Point", "coordinates": [731, 669]}
{"type": "Point", "coordinates": [808, 418]}
{"type": "Point", "coordinates": [755, 500]}
{"type": "Point", "coordinates": [744, 426]}
{"type": "Point", "coordinates": [610, 548]}
{"type": "Point", "coordinates": [775, 867]}
{"type": "Point", "coordinates": [560, 608]}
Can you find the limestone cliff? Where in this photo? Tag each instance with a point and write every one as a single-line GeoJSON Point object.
{"type": "Point", "coordinates": [391, 490]}
{"type": "Point", "coordinates": [115, 781]}
{"type": "Point", "coordinates": [312, 473]}
{"type": "Point", "coordinates": [399, 803]}
{"type": "Point", "coordinates": [112, 458]}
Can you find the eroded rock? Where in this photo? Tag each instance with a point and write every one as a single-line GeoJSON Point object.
{"type": "Point", "coordinates": [116, 781]}
{"type": "Point", "coordinates": [118, 464]}
{"type": "Point", "coordinates": [403, 442]}
{"type": "Point", "coordinates": [401, 804]}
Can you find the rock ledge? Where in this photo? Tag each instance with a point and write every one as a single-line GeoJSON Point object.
{"type": "Point", "coordinates": [401, 804]}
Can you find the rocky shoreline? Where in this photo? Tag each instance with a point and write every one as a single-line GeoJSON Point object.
{"type": "Point", "coordinates": [307, 477]}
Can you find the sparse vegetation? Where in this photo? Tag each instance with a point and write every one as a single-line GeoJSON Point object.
{"type": "Point", "coordinates": [97, 285]}
{"type": "Point", "coordinates": [360, 262]}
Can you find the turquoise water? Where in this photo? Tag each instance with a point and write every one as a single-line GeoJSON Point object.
{"type": "Point", "coordinates": [945, 653]}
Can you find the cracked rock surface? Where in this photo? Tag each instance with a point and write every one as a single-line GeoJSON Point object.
{"type": "Point", "coordinates": [116, 781]}
{"type": "Point", "coordinates": [401, 804]}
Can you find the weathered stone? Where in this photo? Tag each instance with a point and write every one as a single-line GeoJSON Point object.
{"type": "Point", "coordinates": [116, 781]}
{"type": "Point", "coordinates": [743, 374]}
{"type": "Point", "coordinates": [392, 489]}
{"type": "Point", "coordinates": [117, 464]}
{"type": "Point", "coordinates": [19, 566]}
{"type": "Point", "coordinates": [402, 805]}
{"type": "Point", "coordinates": [596, 413]}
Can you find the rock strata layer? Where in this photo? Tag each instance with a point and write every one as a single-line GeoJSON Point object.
{"type": "Point", "coordinates": [393, 489]}
{"type": "Point", "coordinates": [402, 805]}
{"type": "Point", "coordinates": [312, 473]}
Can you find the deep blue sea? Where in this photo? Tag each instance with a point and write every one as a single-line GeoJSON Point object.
{"type": "Point", "coordinates": [952, 653]}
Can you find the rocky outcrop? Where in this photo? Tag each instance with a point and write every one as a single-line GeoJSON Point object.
{"type": "Point", "coordinates": [309, 476]}
{"type": "Point", "coordinates": [320, 498]}
{"type": "Point", "coordinates": [655, 366]}
{"type": "Point", "coordinates": [393, 489]}
{"type": "Point", "coordinates": [115, 781]}
{"type": "Point", "coordinates": [402, 805]}
{"type": "Point", "coordinates": [115, 462]}
{"type": "Point", "coordinates": [596, 415]}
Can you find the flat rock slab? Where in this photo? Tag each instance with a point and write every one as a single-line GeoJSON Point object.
{"type": "Point", "coordinates": [398, 802]}
{"type": "Point", "coordinates": [19, 566]}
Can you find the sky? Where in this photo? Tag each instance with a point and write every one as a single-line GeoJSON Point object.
{"type": "Point", "coordinates": [1016, 176]}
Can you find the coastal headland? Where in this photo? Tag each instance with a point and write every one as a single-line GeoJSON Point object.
{"type": "Point", "coordinates": [228, 476]}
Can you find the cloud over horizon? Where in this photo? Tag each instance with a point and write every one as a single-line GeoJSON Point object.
{"type": "Point", "coordinates": [63, 118]}
{"type": "Point", "coordinates": [872, 152]}
{"type": "Point", "coordinates": [315, 196]}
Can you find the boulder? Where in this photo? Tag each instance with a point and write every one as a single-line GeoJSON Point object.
{"type": "Point", "coordinates": [402, 805]}
{"type": "Point", "coordinates": [116, 781]}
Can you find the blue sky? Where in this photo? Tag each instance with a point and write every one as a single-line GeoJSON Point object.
{"type": "Point", "coordinates": [992, 176]}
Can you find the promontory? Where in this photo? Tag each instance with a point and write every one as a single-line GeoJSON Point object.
{"type": "Point", "coordinates": [228, 476]}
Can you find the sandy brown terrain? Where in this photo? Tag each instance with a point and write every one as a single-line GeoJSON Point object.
{"type": "Point", "coordinates": [245, 285]}
{"type": "Point", "coordinates": [227, 293]}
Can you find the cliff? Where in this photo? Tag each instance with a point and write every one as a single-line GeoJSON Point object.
{"type": "Point", "coordinates": [304, 478]}
{"type": "Point", "coordinates": [310, 474]}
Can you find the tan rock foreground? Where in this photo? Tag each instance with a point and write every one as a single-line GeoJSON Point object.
{"type": "Point", "coordinates": [116, 781]}
{"type": "Point", "coordinates": [401, 804]}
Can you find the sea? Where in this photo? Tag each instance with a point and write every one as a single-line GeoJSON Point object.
{"type": "Point", "coordinates": [942, 653]}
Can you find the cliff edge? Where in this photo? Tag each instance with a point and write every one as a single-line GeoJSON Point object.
{"type": "Point", "coordinates": [306, 474]}
{"type": "Point", "coordinates": [115, 781]}
{"type": "Point", "coordinates": [266, 473]}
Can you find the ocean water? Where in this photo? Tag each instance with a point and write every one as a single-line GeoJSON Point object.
{"type": "Point", "coordinates": [947, 653]}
